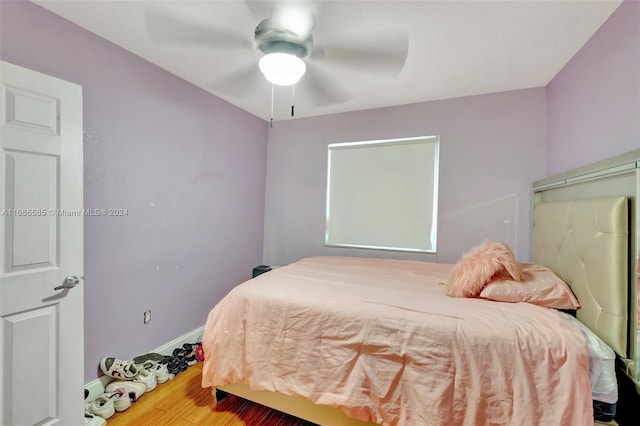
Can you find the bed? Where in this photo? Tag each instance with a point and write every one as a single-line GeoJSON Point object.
{"type": "Point", "coordinates": [340, 341]}
{"type": "Point", "coordinates": [617, 310]}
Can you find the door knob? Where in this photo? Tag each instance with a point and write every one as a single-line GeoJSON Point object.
{"type": "Point", "coordinates": [69, 282]}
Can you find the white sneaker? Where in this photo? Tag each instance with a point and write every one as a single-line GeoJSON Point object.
{"type": "Point", "coordinates": [120, 398]}
{"type": "Point", "coordinates": [93, 420]}
{"type": "Point", "coordinates": [146, 378]}
{"type": "Point", "coordinates": [101, 406]}
{"type": "Point", "coordinates": [135, 390]}
{"type": "Point", "coordinates": [123, 370]}
{"type": "Point", "coordinates": [158, 370]}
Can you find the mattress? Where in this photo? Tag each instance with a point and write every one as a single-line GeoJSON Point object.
{"type": "Point", "coordinates": [379, 340]}
{"type": "Point", "coordinates": [602, 374]}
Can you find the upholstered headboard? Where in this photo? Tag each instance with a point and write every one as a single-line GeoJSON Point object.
{"type": "Point", "coordinates": [586, 243]}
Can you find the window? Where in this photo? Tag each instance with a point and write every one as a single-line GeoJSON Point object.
{"type": "Point", "coordinates": [383, 194]}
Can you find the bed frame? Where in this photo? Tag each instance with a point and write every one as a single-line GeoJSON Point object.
{"type": "Point", "coordinates": [586, 229]}
{"type": "Point", "coordinates": [610, 306]}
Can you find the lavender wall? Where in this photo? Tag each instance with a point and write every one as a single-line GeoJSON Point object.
{"type": "Point", "coordinates": [491, 148]}
{"type": "Point", "coordinates": [594, 102]}
{"type": "Point", "coordinates": [189, 167]}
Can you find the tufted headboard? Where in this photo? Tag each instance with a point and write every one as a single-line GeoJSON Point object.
{"type": "Point", "coordinates": [586, 243]}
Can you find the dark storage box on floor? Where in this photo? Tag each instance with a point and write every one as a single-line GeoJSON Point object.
{"type": "Point", "coordinates": [260, 270]}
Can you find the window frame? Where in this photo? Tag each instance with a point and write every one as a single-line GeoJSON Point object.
{"type": "Point", "coordinates": [337, 241]}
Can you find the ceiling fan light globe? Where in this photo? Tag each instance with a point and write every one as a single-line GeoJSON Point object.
{"type": "Point", "coordinates": [282, 69]}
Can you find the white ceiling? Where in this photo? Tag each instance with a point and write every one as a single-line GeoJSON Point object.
{"type": "Point", "coordinates": [456, 48]}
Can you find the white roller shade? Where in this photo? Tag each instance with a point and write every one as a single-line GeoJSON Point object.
{"type": "Point", "coordinates": [383, 194]}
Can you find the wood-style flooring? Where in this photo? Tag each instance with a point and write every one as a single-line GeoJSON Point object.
{"type": "Point", "coordinates": [182, 401]}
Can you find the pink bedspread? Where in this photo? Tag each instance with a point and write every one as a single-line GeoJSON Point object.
{"type": "Point", "coordinates": [380, 340]}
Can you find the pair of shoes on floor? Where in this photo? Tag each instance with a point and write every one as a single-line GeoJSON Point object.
{"type": "Point", "coordinates": [119, 369]}
{"type": "Point", "coordinates": [174, 364]}
{"type": "Point", "coordinates": [186, 354]}
{"type": "Point", "coordinates": [102, 406]}
{"type": "Point", "coordinates": [183, 357]}
{"type": "Point", "coordinates": [195, 352]}
{"type": "Point", "coordinates": [190, 352]}
{"type": "Point", "coordinates": [151, 356]}
{"type": "Point", "coordinates": [128, 370]}
{"type": "Point", "coordinates": [108, 403]}
{"type": "Point", "coordinates": [93, 420]}
{"type": "Point", "coordinates": [121, 399]}
{"type": "Point", "coordinates": [133, 390]}
{"type": "Point", "coordinates": [159, 370]}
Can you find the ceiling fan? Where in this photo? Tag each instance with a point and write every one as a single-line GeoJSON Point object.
{"type": "Point", "coordinates": [290, 54]}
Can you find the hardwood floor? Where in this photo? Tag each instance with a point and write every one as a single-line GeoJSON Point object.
{"type": "Point", "coordinates": [182, 401]}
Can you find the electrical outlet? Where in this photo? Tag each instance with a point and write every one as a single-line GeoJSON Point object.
{"type": "Point", "coordinates": [147, 316]}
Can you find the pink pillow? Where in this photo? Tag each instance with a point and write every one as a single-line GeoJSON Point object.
{"type": "Point", "coordinates": [540, 287]}
{"type": "Point", "coordinates": [475, 269]}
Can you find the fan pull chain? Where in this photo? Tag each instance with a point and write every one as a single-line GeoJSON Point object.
{"type": "Point", "coordinates": [271, 121]}
{"type": "Point", "coordinates": [293, 91]}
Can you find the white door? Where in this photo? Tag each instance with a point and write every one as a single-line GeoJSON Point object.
{"type": "Point", "coordinates": [41, 223]}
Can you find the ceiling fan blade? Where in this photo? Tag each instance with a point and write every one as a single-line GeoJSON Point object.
{"type": "Point", "coordinates": [321, 88]}
{"type": "Point", "coordinates": [166, 28]}
{"type": "Point", "coordinates": [260, 9]}
{"type": "Point", "coordinates": [245, 81]}
{"type": "Point", "coordinates": [382, 54]}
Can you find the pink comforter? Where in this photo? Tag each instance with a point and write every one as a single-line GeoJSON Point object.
{"type": "Point", "coordinates": [380, 340]}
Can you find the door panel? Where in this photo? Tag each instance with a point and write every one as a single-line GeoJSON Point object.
{"type": "Point", "coordinates": [31, 238]}
{"type": "Point", "coordinates": [41, 222]}
{"type": "Point", "coordinates": [34, 329]}
{"type": "Point", "coordinates": [31, 111]}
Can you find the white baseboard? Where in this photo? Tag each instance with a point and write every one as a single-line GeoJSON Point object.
{"type": "Point", "coordinates": [96, 387]}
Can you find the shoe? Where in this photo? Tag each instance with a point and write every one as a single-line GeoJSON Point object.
{"type": "Point", "coordinates": [93, 420]}
{"type": "Point", "coordinates": [120, 398]}
{"type": "Point", "coordinates": [151, 356]}
{"type": "Point", "coordinates": [147, 379]}
{"type": "Point", "coordinates": [186, 354]}
{"type": "Point", "coordinates": [101, 406]}
{"type": "Point", "coordinates": [135, 390]}
{"type": "Point", "coordinates": [174, 364]}
{"type": "Point", "coordinates": [123, 370]}
{"type": "Point", "coordinates": [190, 349]}
{"type": "Point", "coordinates": [159, 370]}
{"type": "Point", "coordinates": [199, 352]}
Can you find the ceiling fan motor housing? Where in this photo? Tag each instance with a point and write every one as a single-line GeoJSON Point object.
{"type": "Point", "coordinates": [270, 39]}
